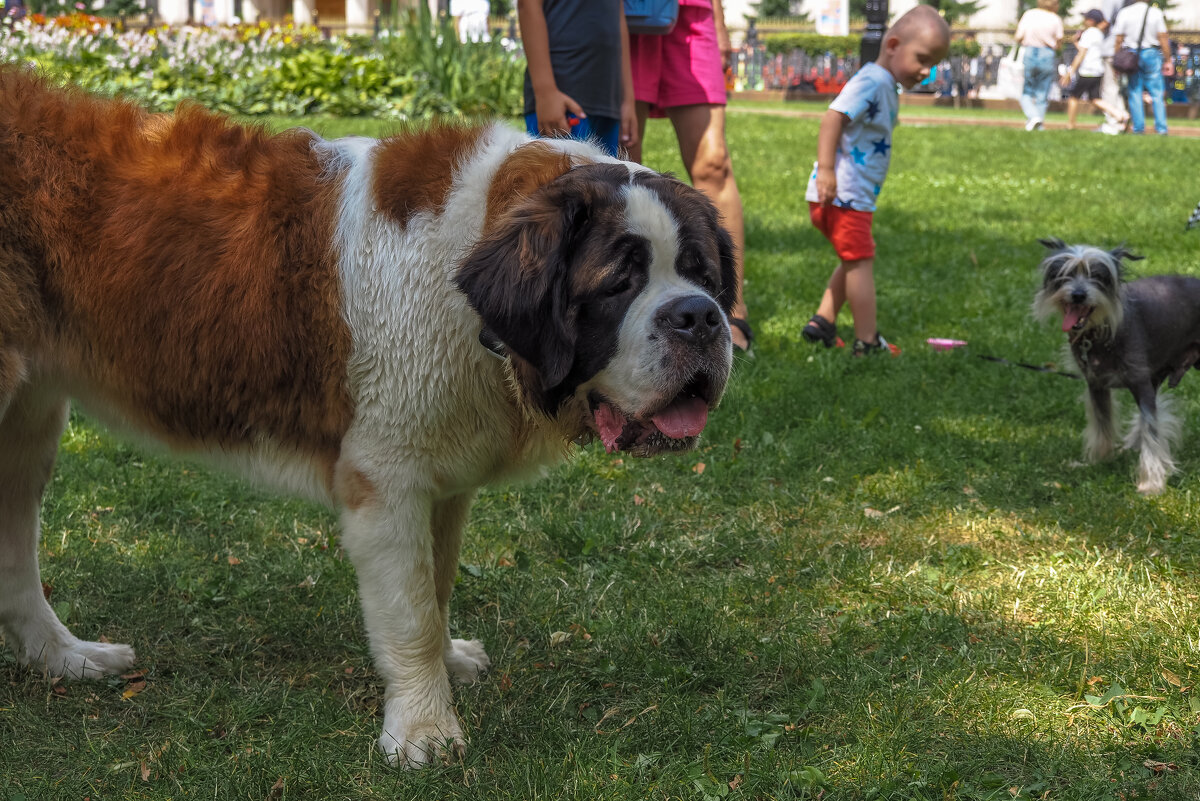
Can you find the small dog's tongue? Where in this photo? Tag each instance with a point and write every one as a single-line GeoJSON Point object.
{"type": "Point", "coordinates": [683, 418]}
{"type": "Point", "coordinates": [1072, 315]}
{"type": "Point", "coordinates": [610, 424]}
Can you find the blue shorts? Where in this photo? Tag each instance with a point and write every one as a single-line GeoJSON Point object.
{"type": "Point", "coordinates": [604, 131]}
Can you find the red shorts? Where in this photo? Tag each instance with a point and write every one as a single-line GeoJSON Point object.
{"type": "Point", "coordinates": [680, 68]}
{"type": "Point", "coordinates": [847, 229]}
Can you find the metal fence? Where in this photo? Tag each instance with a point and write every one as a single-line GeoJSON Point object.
{"type": "Point", "coordinates": [957, 76]}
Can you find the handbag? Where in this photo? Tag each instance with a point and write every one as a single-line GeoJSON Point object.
{"type": "Point", "coordinates": [651, 16]}
{"type": "Point", "coordinates": [1010, 75]}
{"type": "Point", "coordinates": [1128, 59]}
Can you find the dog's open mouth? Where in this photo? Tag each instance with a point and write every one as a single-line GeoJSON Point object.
{"type": "Point", "coordinates": [1075, 316]}
{"type": "Point", "coordinates": [672, 427]}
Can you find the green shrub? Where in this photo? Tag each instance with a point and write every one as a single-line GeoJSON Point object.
{"type": "Point", "coordinates": [814, 44]}
{"type": "Point", "coordinates": [414, 72]}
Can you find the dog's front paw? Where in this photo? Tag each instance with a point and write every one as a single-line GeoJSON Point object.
{"type": "Point", "coordinates": [79, 659]}
{"type": "Point", "coordinates": [412, 743]}
{"type": "Point", "coordinates": [466, 660]}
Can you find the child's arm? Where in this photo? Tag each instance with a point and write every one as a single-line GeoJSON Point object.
{"type": "Point", "coordinates": [629, 121]}
{"type": "Point", "coordinates": [550, 104]}
{"type": "Point", "coordinates": [827, 145]}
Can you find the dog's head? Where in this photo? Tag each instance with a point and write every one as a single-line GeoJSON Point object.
{"type": "Point", "coordinates": [609, 288]}
{"type": "Point", "coordinates": [1082, 283]}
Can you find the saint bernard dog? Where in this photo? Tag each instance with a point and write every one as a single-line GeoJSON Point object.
{"type": "Point", "coordinates": [382, 325]}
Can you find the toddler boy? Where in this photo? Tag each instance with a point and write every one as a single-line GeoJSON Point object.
{"type": "Point", "coordinates": [853, 154]}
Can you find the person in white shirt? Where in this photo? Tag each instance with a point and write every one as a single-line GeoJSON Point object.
{"type": "Point", "coordinates": [1088, 71]}
{"type": "Point", "coordinates": [1110, 87]}
{"type": "Point", "coordinates": [1154, 61]}
{"type": "Point", "coordinates": [1039, 32]}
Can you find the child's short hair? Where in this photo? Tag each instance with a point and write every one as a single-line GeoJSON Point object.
{"type": "Point", "coordinates": [1048, 5]}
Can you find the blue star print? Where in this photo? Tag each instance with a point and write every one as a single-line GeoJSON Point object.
{"type": "Point", "coordinates": [881, 146]}
{"type": "Point", "coordinates": [859, 156]}
{"type": "Point", "coordinates": [843, 204]}
{"type": "Point", "coordinates": [872, 109]}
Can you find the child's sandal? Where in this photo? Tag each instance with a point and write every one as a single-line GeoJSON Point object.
{"type": "Point", "coordinates": [818, 329]}
{"type": "Point", "coordinates": [880, 345]}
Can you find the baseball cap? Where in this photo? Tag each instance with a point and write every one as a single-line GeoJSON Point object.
{"type": "Point", "coordinates": [1095, 15]}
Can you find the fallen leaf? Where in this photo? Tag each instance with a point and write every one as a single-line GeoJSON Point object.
{"type": "Point", "coordinates": [233, 560]}
{"type": "Point", "coordinates": [505, 683]}
{"type": "Point", "coordinates": [1159, 767]}
{"type": "Point", "coordinates": [133, 674]}
{"type": "Point", "coordinates": [145, 772]}
{"type": "Point", "coordinates": [1094, 680]}
{"type": "Point", "coordinates": [557, 638]}
{"type": "Point", "coordinates": [276, 790]}
{"type": "Point", "coordinates": [735, 782]}
{"type": "Point", "coordinates": [133, 689]}
{"type": "Point", "coordinates": [46, 590]}
{"type": "Point", "coordinates": [874, 514]}
{"type": "Point", "coordinates": [1171, 678]}
{"type": "Point", "coordinates": [699, 468]}
{"type": "Point", "coordinates": [638, 500]}
{"type": "Point", "coordinates": [308, 583]}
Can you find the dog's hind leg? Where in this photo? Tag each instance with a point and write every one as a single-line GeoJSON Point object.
{"type": "Point", "coordinates": [1152, 433]}
{"type": "Point", "coordinates": [1101, 433]}
{"type": "Point", "coordinates": [466, 660]}
{"type": "Point", "coordinates": [30, 426]}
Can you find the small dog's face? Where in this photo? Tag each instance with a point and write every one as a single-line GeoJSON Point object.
{"type": "Point", "coordinates": [1083, 284]}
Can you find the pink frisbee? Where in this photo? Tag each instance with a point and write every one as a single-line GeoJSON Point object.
{"type": "Point", "coordinates": [945, 344]}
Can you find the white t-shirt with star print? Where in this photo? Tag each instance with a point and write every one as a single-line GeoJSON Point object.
{"type": "Point", "coordinates": [870, 102]}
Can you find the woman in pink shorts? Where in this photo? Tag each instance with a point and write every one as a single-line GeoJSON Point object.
{"type": "Point", "coordinates": [681, 75]}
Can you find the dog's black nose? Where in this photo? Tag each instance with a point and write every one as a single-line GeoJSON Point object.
{"type": "Point", "coordinates": [1078, 296]}
{"type": "Point", "coordinates": [692, 318]}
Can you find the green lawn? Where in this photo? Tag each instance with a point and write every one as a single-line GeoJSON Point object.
{"type": "Point", "coordinates": [876, 579]}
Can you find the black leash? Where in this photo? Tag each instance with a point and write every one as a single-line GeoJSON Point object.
{"type": "Point", "coordinates": [1036, 367]}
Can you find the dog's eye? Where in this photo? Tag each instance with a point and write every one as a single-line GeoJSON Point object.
{"type": "Point", "coordinates": [619, 288]}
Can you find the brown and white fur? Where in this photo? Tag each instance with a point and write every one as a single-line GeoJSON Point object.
{"type": "Point", "coordinates": [1135, 335]}
{"type": "Point", "coordinates": [310, 313]}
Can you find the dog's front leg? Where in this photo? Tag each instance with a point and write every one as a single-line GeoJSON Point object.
{"type": "Point", "coordinates": [390, 542]}
{"type": "Point", "coordinates": [1101, 433]}
{"type": "Point", "coordinates": [1151, 434]}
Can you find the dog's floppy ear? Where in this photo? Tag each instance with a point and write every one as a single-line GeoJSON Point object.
{"type": "Point", "coordinates": [517, 278]}
{"type": "Point", "coordinates": [1053, 244]}
{"type": "Point", "coordinates": [1122, 253]}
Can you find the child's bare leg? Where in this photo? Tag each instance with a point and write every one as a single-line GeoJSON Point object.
{"type": "Point", "coordinates": [860, 292]}
{"type": "Point", "coordinates": [1072, 110]}
{"type": "Point", "coordinates": [835, 294]}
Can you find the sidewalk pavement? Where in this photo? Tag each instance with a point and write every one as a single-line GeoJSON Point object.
{"type": "Point", "coordinates": [1086, 124]}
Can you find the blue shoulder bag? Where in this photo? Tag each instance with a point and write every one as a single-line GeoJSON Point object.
{"type": "Point", "coordinates": [651, 16]}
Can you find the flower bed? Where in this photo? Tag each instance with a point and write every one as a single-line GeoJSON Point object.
{"type": "Point", "coordinates": [416, 72]}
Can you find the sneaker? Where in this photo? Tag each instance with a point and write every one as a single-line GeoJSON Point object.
{"type": "Point", "coordinates": [880, 345]}
{"type": "Point", "coordinates": [1033, 125]}
{"type": "Point", "coordinates": [818, 329]}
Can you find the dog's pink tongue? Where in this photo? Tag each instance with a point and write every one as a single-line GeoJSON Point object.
{"type": "Point", "coordinates": [610, 424]}
{"type": "Point", "coordinates": [1071, 316]}
{"type": "Point", "coordinates": [683, 418]}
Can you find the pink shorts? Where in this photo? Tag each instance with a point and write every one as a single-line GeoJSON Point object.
{"type": "Point", "coordinates": [849, 231]}
{"type": "Point", "coordinates": [680, 68]}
